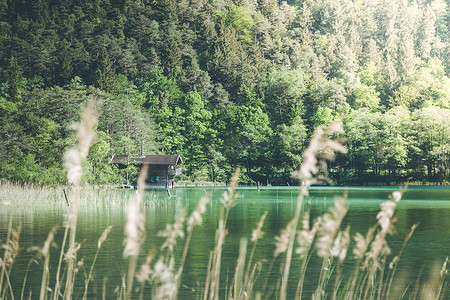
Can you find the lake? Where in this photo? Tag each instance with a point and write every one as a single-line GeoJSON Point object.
{"type": "Point", "coordinates": [38, 210]}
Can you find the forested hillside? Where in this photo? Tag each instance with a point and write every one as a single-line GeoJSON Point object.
{"type": "Point", "coordinates": [227, 83]}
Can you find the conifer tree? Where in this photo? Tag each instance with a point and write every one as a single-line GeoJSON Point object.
{"type": "Point", "coordinates": [105, 75]}
{"type": "Point", "coordinates": [14, 80]}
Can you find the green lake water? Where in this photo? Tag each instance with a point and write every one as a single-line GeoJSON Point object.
{"type": "Point", "coordinates": [429, 245]}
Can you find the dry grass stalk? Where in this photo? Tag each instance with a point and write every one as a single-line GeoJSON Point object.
{"type": "Point", "coordinates": [257, 234]}
{"type": "Point", "coordinates": [101, 240]}
{"type": "Point", "coordinates": [237, 288]}
{"type": "Point", "coordinates": [45, 252]}
{"type": "Point", "coordinates": [394, 263]}
{"type": "Point", "coordinates": [359, 252]}
{"type": "Point", "coordinates": [313, 169]}
{"type": "Point", "coordinates": [228, 200]}
{"type": "Point", "coordinates": [328, 245]}
{"type": "Point", "coordinates": [134, 230]}
{"type": "Point", "coordinates": [194, 220]}
{"type": "Point", "coordinates": [329, 227]}
{"type": "Point", "coordinates": [339, 250]}
{"type": "Point", "coordinates": [379, 248]}
{"type": "Point", "coordinates": [305, 239]}
{"type": "Point", "coordinates": [434, 288]}
{"type": "Point", "coordinates": [144, 272]}
{"type": "Point", "coordinates": [11, 250]}
{"type": "Point", "coordinates": [164, 280]}
{"type": "Point", "coordinates": [73, 161]}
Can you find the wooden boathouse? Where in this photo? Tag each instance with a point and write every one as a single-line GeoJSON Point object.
{"type": "Point", "coordinates": [162, 169]}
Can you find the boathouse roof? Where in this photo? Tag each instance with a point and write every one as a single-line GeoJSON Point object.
{"type": "Point", "coordinates": [147, 160]}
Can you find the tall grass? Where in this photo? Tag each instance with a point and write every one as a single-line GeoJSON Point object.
{"type": "Point", "coordinates": [159, 274]}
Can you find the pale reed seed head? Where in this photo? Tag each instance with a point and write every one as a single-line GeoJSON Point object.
{"type": "Point", "coordinates": [329, 227]}
{"type": "Point", "coordinates": [72, 252]}
{"type": "Point", "coordinates": [141, 179]}
{"type": "Point", "coordinates": [378, 248]}
{"type": "Point", "coordinates": [229, 196]}
{"type": "Point", "coordinates": [234, 181]}
{"type": "Point", "coordinates": [103, 237]}
{"type": "Point", "coordinates": [394, 262]}
{"type": "Point", "coordinates": [144, 272]}
{"type": "Point", "coordinates": [80, 264]}
{"type": "Point", "coordinates": [134, 228]}
{"type": "Point", "coordinates": [387, 210]}
{"type": "Point", "coordinates": [362, 243]}
{"type": "Point", "coordinates": [361, 246]}
{"type": "Point", "coordinates": [305, 240]}
{"type": "Point", "coordinates": [196, 216]}
{"type": "Point", "coordinates": [385, 215]}
{"type": "Point", "coordinates": [163, 275]}
{"type": "Point", "coordinates": [12, 246]}
{"type": "Point", "coordinates": [305, 237]}
{"type": "Point", "coordinates": [335, 127]}
{"type": "Point", "coordinates": [258, 233]}
{"type": "Point", "coordinates": [172, 232]}
{"type": "Point", "coordinates": [85, 136]}
{"type": "Point", "coordinates": [305, 220]}
{"type": "Point", "coordinates": [444, 268]}
{"type": "Point", "coordinates": [340, 244]}
{"type": "Point", "coordinates": [396, 196]}
{"type": "Point", "coordinates": [49, 241]}
{"type": "Point", "coordinates": [283, 239]}
{"type": "Point", "coordinates": [320, 148]}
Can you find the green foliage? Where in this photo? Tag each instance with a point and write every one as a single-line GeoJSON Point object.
{"type": "Point", "coordinates": [283, 96]}
{"type": "Point", "coordinates": [7, 106]}
{"type": "Point", "coordinates": [226, 84]}
{"type": "Point", "coordinates": [105, 75]}
{"type": "Point", "coordinates": [289, 142]}
{"type": "Point", "coordinates": [241, 20]}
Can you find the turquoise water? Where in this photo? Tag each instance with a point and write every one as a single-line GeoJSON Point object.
{"type": "Point", "coordinates": [429, 245]}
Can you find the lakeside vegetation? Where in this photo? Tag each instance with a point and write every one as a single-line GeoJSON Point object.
{"type": "Point", "coordinates": [227, 84]}
{"type": "Point", "coordinates": [160, 273]}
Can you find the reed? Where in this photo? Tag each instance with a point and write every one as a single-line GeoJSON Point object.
{"type": "Point", "coordinates": [45, 252]}
{"type": "Point", "coordinates": [11, 250]}
{"type": "Point", "coordinates": [134, 231]}
{"type": "Point", "coordinates": [228, 201]}
{"type": "Point", "coordinates": [101, 240]}
{"type": "Point", "coordinates": [73, 161]}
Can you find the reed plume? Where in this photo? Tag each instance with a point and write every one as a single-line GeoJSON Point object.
{"type": "Point", "coordinates": [257, 234]}
{"type": "Point", "coordinates": [45, 252]}
{"type": "Point", "coordinates": [73, 159]}
{"type": "Point", "coordinates": [172, 232]}
{"type": "Point", "coordinates": [313, 169]}
{"type": "Point", "coordinates": [164, 280]}
{"type": "Point", "coordinates": [134, 230]}
{"type": "Point", "coordinates": [379, 248]}
{"type": "Point", "coordinates": [305, 239]}
{"type": "Point", "coordinates": [11, 250]}
{"type": "Point", "coordinates": [228, 201]}
{"type": "Point", "coordinates": [328, 245]}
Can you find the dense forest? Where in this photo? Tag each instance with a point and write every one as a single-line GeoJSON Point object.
{"type": "Point", "coordinates": [227, 84]}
